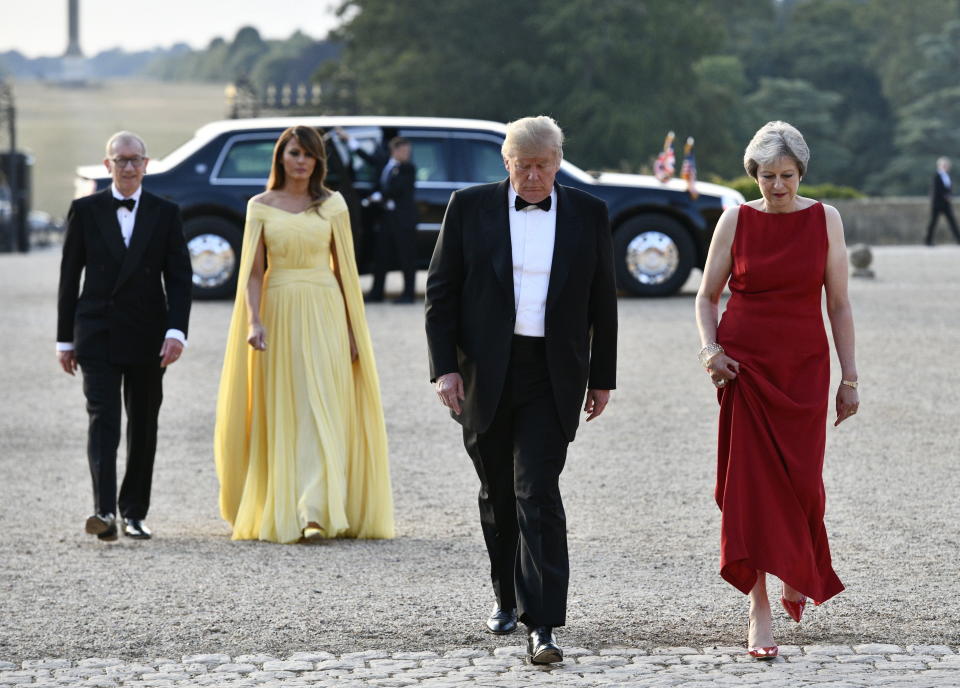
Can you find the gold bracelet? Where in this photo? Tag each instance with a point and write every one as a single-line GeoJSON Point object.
{"type": "Point", "coordinates": [849, 383]}
{"type": "Point", "coordinates": [708, 352]}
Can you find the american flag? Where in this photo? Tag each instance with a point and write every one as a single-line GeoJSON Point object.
{"type": "Point", "coordinates": [663, 167]}
{"type": "Point", "coordinates": [689, 169]}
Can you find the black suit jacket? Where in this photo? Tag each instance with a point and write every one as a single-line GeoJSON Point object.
{"type": "Point", "coordinates": [400, 188]}
{"type": "Point", "coordinates": [940, 193]}
{"type": "Point", "coordinates": [470, 310]}
{"type": "Point", "coordinates": [131, 296]}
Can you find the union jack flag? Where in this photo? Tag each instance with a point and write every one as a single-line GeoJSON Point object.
{"type": "Point", "coordinates": [689, 169]}
{"type": "Point", "coordinates": [663, 167]}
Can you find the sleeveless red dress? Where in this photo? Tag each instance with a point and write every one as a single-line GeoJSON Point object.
{"type": "Point", "coordinates": [773, 415]}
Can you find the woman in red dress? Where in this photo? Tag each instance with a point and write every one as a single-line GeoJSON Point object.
{"type": "Point", "coordinates": [770, 362]}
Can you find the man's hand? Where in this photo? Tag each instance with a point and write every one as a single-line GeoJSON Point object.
{"type": "Point", "coordinates": [450, 391]}
{"type": "Point", "coordinates": [170, 351]}
{"type": "Point", "coordinates": [597, 400]}
{"type": "Point", "coordinates": [68, 361]}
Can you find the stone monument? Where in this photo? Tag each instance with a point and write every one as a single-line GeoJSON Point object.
{"type": "Point", "coordinates": [74, 71]}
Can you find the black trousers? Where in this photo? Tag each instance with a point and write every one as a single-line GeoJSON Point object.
{"type": "Point", "coordinates": [141, 387]}
{"type": "Point", "coordinates": [395, 242]}
{"type": "Point", "coordinates": [519, 459]}
{"type": "Point", "coordinates": [946, 211]}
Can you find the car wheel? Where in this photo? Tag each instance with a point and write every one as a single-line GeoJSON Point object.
{"type": "Point", "coordinates": [214, 245]}
{"type": "Point", "coordinates": [654, 255]}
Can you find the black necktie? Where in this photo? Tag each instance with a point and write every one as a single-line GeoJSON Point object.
{"type": "Point", "coordinates": [543, 205]}
{"type": "Point", "coordinates": [128, 203]}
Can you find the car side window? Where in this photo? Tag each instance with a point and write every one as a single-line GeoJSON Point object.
{"type": "Point", "coordinates": [248, 160]}
{"type": "Point", "coordinates": [484, 162]}
{"type": "Point", "coordinates": [429, 159]}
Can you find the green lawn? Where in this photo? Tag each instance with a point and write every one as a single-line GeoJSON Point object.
{"type": "Point", "coordinates": [66, 127]}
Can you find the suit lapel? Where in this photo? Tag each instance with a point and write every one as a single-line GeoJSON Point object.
{"type": "Point", "coordinates": [567, 236]}
{"type": "Point", "coordinates": [143, 227]}
{"type": "Point", "coordinates": [497, 226]}
{"type": "Point", "coordinates": [109, 226]}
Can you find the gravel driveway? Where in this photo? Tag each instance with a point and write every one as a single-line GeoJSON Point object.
{"type": "Point", "coordinates": [638, 490]}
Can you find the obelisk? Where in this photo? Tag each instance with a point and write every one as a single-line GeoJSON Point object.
{"type": "Point", "coordinates": [73, 39]}
{"type": "Point", "coordinates": [73, 66]}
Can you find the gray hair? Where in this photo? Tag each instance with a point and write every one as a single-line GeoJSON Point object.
{"type": "Point", "coordinates": [530, 136]}
{"type": "Point", "coordinates": [772, 141]}
{"type": "Point", "coordinates": [125, 137]}
{"type": "Point", "coordinates": [943, 161]}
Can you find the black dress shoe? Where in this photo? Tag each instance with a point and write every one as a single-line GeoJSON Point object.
{"type": "Point", "coordinates": [502, 621]}
{"type": "Point", "coordinates": [104, 526]}
{"type": "Point", "coordinates": [403, 299]}
{"type": "Point", "coordinates": [372, 298]}
{"type": "Point", "coordinates": [135, 528]}
{"type": "Point", "coordinates": [542, 647]}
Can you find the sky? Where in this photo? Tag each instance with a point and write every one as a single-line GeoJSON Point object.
{"type": "Point", "coordinates": [38, 28]}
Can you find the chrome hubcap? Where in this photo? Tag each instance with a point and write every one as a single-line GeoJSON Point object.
{"type": "Point", "coordinates": [213, 260]}
{"type": "Point", "coordinates": [652, 257]}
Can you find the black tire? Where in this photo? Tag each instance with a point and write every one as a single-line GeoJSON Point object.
{"type": "Point", "coordinates": [214, 244]}
{"type": "Point", "coordinates": [668, 248]}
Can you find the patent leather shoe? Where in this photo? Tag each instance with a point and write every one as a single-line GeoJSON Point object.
{"type": "Point", "coordinates": [763, 653]}
{"type": "Point", "coordinates": [502, 621]}
{"type": "Point", "coordinates": [104, 526]}
{"type": "Point", "coordinates": [136, 529]}
{"type": "Point", "coordinates": [542, 647]}
{"type": "Point", "coordinates": [794, 608]}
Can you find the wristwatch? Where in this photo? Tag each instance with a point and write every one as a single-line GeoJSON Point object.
{"type": "Point", "coordinates": [849, 383]}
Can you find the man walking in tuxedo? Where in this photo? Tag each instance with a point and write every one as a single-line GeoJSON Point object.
{"type": "Point", "coordinates": [521, 319]}
{"type": "Point", "coordinates": [126, 326]}
{"type": "Point", "coordinates": [940, 200]}
{"type": "Point", "coordinates": [398, 224]}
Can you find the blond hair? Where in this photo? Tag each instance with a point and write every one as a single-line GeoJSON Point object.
{"type": "Point", "coordinates": [530, 136]}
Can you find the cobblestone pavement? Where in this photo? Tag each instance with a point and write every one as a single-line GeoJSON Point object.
{"type": "Point", "coordinates": [836, 666]}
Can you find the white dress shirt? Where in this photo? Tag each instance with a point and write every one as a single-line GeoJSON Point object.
{"type": "Point", "coordinates": [532, 235]}
{"type": "Point", "coordinates": [127, 219]}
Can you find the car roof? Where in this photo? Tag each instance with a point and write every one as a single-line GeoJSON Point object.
{"type": "Point", "coordinates": [326, 121]}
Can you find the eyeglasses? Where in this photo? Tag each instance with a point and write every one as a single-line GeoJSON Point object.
{"type": "Point", "coordinates": [136, 161]}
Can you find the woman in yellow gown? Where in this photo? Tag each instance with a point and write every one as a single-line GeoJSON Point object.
{"type": "Point", "coordinates": [300, 442]}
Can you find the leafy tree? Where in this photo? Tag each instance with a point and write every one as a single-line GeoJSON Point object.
{"type": "Point", "coordinates": [809, 109]}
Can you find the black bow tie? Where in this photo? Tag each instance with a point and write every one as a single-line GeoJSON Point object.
{"type": "Point", "coordinates": [543, 205]}
{"type": "Point", "coordinates": [128, 203]}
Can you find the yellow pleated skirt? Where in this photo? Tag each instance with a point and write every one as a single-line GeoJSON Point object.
{"type": "Point", "coordinates": [302, 415]}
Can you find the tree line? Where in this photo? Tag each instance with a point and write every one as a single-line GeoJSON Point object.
{"type": "Point", "coordinates": [871, 83]}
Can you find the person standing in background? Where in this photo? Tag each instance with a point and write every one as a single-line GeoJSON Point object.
{"type": "Point", "coordinates": [940, 202]}
{"type": "Point", "coordinates": [398, 226]}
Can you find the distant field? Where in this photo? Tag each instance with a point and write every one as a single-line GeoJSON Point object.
{"type": "Point", "coordinates": [66, 127]}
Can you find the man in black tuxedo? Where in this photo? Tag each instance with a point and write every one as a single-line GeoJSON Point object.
{"type": "Point", "coordinates": [521, 319]}
{"type": "Point", "coordinates": [125, 327]}
{"type": "Point", "coordinates": [940, 200]}
{"type": "Point", "coordinates": [398, 224]}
